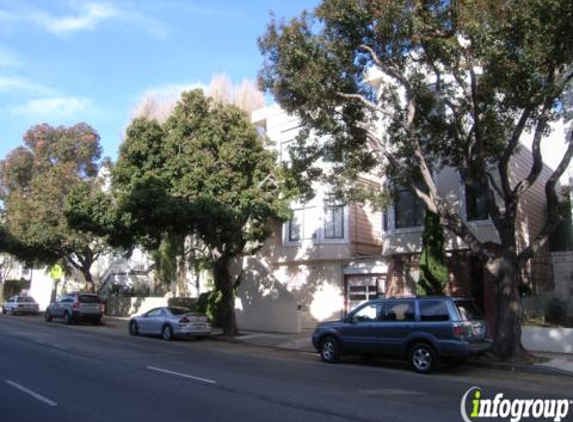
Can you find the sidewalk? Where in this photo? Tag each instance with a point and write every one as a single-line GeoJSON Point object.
{"type": "Point", "coordinates": [545, 363]}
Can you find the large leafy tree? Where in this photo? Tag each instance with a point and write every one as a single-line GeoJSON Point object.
{"type": "Point", "coordinates": [204, 172]}
{"type": "Point", "coordinates": [458, 83]}
{"type": "Point", "coordinates": [35, 180]}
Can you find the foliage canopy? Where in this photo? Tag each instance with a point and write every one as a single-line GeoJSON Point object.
{"type": "Point", "coordinates": [403, 88]}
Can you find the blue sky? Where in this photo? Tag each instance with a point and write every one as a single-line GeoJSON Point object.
{"type": "Point", "coordinates": [68, 61]}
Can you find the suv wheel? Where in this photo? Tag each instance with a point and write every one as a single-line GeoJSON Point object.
{"type": "Point", "coordinates": [422, 358]}
{"type": "Point", "coordinates": [48, 316]}
{"type": "Point", "coordinates": [3, 310]}
{"type": "Point", "coordinates": [167, 333]}
{"type": "Point", "coordinates": [330, 350]}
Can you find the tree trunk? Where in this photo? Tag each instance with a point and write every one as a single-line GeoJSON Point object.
{"type": "Point", "coordinates": [507, 340]}
{"type": "Point", "coordinates": [182, 275]}
{"type": "Point", "coordinates": [90, 285]}
{"type": "Point", "coordinates": [224, 284]}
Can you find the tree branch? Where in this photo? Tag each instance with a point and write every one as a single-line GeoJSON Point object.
{"type": "Point", "coordinates": [553, 217]}
{"type": "Point", "coordinates": [537, 165]}
{"type": "Point", "coordinates": [494, 184]}
{"type": "Point", "coordinates": [388, 69]}
{"type": "Point", "coordinates": [508, 152]}
{"type": "Point", "coordinates": [238, 279]}
{"type": "Point", "coordinates": [69, 257]}
{"type": "Point", "coordinates": [364, 101]}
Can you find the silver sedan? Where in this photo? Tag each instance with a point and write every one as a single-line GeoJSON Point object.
{"type": "Point", "coordinates": [170, 322]}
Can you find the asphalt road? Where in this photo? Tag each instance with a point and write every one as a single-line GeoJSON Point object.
{"type": "Point", "coordinates": [53, 372]}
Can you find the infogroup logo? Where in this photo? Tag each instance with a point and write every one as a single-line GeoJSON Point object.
{"type": "Point", "coordinates": [474, 407]}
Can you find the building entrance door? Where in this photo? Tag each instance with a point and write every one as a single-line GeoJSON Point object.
{"type": "Point", "coordinates": [360, 288]}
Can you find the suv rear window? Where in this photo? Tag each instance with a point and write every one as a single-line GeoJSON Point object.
{"type": "Point", "coordinates": [25, 300]}
{"type": "Point", "coordinates": [89, 299]}
{"type": "Point", "coordinates": [468, 311]}
{"type": "Point", "coordinates": [433, 310]}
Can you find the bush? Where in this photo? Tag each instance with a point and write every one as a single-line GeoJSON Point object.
{"type": "Point", "coordinates": [183, 302]}
{"type": "Point", "coordinates": [556, 311]}
{"type": "Point", "coordinates": [14, 287]}
{"type": "Point", "coordinates": [210, 304]}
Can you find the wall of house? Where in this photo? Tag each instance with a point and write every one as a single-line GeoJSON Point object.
{"type": "Point", "coordinates": [287, 297]}
{"type": "Point", "coordinates": [263, 303]}
{"type": "Point", "coordinates": [563, 277]}
{"type": "Point", "coordinates": [127, 306]}
{"type": "Point", "coordinates": [365, 230]}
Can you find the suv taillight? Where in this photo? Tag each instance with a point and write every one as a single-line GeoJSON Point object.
{"type": "Point", "coordinates": [458, 331]}
{"type": "Point", "coordinates": [184, 320]}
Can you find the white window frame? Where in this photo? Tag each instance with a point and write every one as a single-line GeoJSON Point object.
{"type": "Point", "coordinates": [319, 235]}
{"type": "Point", "coordinates": [391, 222]}
{"type": "Point", "coordinates": [328, 209]}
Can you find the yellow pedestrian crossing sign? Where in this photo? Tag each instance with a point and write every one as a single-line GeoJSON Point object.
{"type": "Point", "coordinates": [56, 273]}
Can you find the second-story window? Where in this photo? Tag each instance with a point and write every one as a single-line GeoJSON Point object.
{"type": "Point", "coordinates": [295, 226]}
{"type": "Point", "coordinates": [303, 225]}
{"type": "Point", "coordinates": [334, 222]}
{"type": "Point", "coordinates": [476, 204]}
{"type": "Point", "coordinates": [409, 210]}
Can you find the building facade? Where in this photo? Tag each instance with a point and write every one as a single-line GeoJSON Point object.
{"type": "Point", "coordinates": [332, 256]}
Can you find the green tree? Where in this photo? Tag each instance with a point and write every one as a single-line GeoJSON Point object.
{"type": "Point", "coordinates": [35, 180]}
{"type": "Point", "coordinates": [455, 83]}
{"type": "Point", "coordinates": [206, 172]}
{"type": "Point", "coordinates": [433, 260]}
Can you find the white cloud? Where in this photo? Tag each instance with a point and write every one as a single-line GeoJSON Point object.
{"type": "Point", "coordinates": [84, 16]}
{"type": "Point", "coordinates": [17, 84]}
{"type": "Point", "coordinates": [90, 15]}
{"type": "Point", "coordinates": [58, 108]}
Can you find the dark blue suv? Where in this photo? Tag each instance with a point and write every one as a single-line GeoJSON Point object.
{"type": "Point", "coordinates": [424, 330]}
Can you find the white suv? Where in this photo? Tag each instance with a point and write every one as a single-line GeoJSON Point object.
{"type": "Point", "coordinates": [21, 305]}
{"type": "Point", "coordinates": [76, 307]}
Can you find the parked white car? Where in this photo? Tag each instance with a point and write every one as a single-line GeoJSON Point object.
{"type": "Point", "coordinates": [170, 322]}
{"type": "Point", "coordinates": [21, 305]}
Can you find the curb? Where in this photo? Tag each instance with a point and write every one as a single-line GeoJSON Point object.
{"type": "Point", "coordinates": [531, 369]}
{"type": "Point", "coordinates": [220, 337]}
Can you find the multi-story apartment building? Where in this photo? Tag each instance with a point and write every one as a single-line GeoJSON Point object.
{"type": "Point", "coordinates": [332, 256]}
